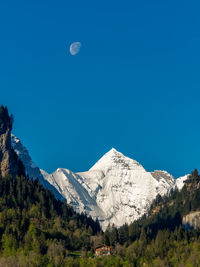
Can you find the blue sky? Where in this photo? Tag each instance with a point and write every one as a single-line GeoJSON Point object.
{"type": "Point", "coordinates": [134, 86]}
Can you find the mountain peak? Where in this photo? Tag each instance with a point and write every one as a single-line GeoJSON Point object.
{"type": "Point", "coordinates": [6, 121]}
{"type": "Point", "coordinates": [115, 159]}
{"type": "Point", "coordinates": [113, 152]}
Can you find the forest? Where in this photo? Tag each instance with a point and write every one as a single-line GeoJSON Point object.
{"type": "Point", "coordinates": [38, 230]}
{"type": "Point", "coordinates": [35, 228]}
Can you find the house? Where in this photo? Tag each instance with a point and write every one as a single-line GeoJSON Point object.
{"type": "Point", "coordinates": [102, 250]}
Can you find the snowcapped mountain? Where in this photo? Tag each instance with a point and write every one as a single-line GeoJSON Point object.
{"type": "Point", "coordinates": [122, 188]}
{"type": "Point", "coordinates": [116, 190]}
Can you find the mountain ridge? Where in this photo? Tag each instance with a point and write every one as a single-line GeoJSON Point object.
{"type": "Point", "coordinates": [31, 169]}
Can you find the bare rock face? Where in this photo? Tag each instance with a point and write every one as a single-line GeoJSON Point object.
{"type": "Point", "coordinates": [9, 162]}
{"type": "Point", "coordinates": [191, 220]}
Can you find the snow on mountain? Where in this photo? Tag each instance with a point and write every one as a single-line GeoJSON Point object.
{"type": "Point", "coordinates": [180, 181]}
{"type": "Point", "coordinates": [116, 190]}
{"type": "Point", "coordinates": [73, 189]}
{"type": "Point", "coordinates": [44, 174]}
{"type": "Point", "coordinates": [166, 181]}
{"type": "Point", "coordinates": [122, 188]}
{"type": "Point", "coordinates": [32, 171]}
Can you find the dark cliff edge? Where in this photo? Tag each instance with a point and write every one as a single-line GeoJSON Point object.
{"type": "Point", "coordinates": [10, 164]}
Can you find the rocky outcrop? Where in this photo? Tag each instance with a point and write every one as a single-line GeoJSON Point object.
{"type": "Point", "coordinates": [9, 162]}
{"type": "Point", "coordinates": [191, 220]}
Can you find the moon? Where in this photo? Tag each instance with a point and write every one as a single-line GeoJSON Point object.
{"type": "Point", "coordinates": [75, 48]}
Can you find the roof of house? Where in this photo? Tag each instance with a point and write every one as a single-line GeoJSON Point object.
{"type": "Point", "coordinates": [100, 246]}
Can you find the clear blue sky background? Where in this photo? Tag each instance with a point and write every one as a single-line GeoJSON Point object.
{"type": "Point", "coordinates": [135, 85]}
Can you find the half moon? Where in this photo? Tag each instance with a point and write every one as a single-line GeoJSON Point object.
{"type": "Point", "coordinates": [75, 48]}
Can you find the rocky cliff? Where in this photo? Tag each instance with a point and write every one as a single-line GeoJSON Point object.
{"type": "Point", "coordinates": [191, 220]}
{"type": "Point", "coordinates": [9, 162]}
